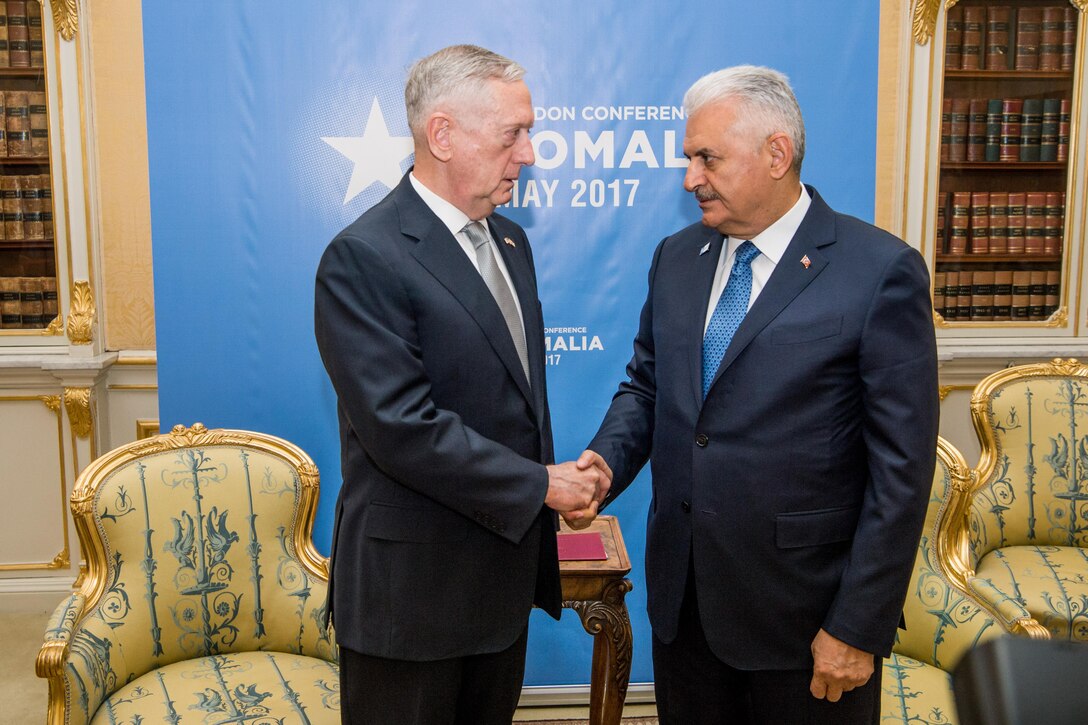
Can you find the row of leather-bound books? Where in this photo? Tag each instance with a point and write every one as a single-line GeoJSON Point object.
{"type": "Point", "coordinates": [21, 34]}
{"type": "Point", "coordinates": [26, 206]}
{"type": "Point", "coordinates": [27, 303]}
{"type": "Point", "coordinates": [25, 132]}
{"type": "Point", "coordinates": [984, 295]}
{"type": "Point", "coordinates": [1004, 38]}
{"type": "Point", "coordinates": [1005, 129]}
{"type": "Point", "coordinates": [990, 222]}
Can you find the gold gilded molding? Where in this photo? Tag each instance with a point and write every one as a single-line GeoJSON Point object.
{"type": "Point", "coordinates": [77, 401]}
{"type": "Point", "coordinates": [943, 391]}
{"type": "Point", "coordinates": [81, 317]}
{"type": "Point", "coordinates": [51, 401]}
{"type": "Point", "coordinates": [56, 327]}
{"type": "Point", "coordinates": [65, 17]}
{"type": "Point", "coordinates": [1061, 317]}
{"type": "Point", "coordinates": [146, 427]}
{"type": "Point", "coordinates": [924, 19]}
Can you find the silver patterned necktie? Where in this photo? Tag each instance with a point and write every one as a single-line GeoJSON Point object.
{"type": "Point", "coordinates": [500, 290]}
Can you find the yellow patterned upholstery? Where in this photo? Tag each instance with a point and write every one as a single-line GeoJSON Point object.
{"type": "Point", "coordinates": [203, 599]}
{"type": "Point", "coordinates": [942, 621]}
{"type": "Point", "coordinates": [1024, 537]}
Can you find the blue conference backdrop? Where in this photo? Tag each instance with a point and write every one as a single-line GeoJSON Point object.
{"type": "Point", "coordinates": [273, 124]}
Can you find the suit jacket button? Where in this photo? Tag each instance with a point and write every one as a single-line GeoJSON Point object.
{"type": "Point", "coordinates": [701, 440]}
{"type": "Point", "coordinates": [685, 506]}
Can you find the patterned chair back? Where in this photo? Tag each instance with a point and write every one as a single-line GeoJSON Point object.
{"type": "Point", "coordinates": [942, 623]}
{"type": "Point", "coordinates": [1032, 422]}
{"type": "Point", "coordinates": [197, 543]}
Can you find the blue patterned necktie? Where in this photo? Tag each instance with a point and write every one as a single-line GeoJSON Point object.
{"type": "Point", "coordinates": [730, 310]}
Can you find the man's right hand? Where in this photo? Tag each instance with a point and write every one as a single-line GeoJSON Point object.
{"type": "Point", "coordinates": [573, 489]}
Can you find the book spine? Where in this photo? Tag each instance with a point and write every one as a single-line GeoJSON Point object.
{"type": "Point", "coordinates": [34, 33]}
{"type": "Point", "coordinates": [45, 194]}
{"type": "Point", "coordinates": [1011, 118]}
{"type": "Point", "coordinates": [1034, 222]}
{"type": "Point", "coordinates": [1053, 292]}
{"type": "Point", "coordinates": [973, 43]}
{"type": "Point", "coordinates": [997, 38]}
{"type": "Point", "coordinates": [993, 130]}
{"type": "Point", "coordinates": [1063, 129]}
{"type": "Point", "coordinates": [1028, 28]}
{"type": "Point", "coordinates": [963, 300]}
{"type": "Point", "coordinates": [5, 53]}
{"type": "Point", "coordinates": [30, 297]}
{"type": "Point", "coordinates": [951, 294]}
{"type": "Point", "coordinates": [10, 303]}
{"type": "Point", "coordinates": [1037, 294]}
{"type": "Point", "coordinates": [39, 124]}
{"type": "Point", "coordinates": [957, 143]}
{"type": "Point", "coordinates": [1015, 222]}
{"type": "Point", "coordinates": [1031, 127]}
{"type": "Point", "coordinates": [50, 305]}
{"type": "Point", "coordinates": [946, 129]}
{"type": "Point", "coordinates": [980, 222]}
{"type": "Point", "coordinates": [1050, 38]}
{"type": "Point", "coordinates": [953, 42]}
{"type": "Point", "coordinates": [942, 222]}
{"type": "Point", "coordinates": [1021, 288]}
{"type": "Point", "coordinates": [960, 222]}
{"type": "Point", "coordinates": [11, 203]}
{"type": "Point", "coordinates": [1048, 133]}
{"type": "Point", "coordinates": [18, 34]}
{"type": "Point", "coordinates": [976, 129]}
{"type": "Point", "coordinates": [982, 295]}
{"type": "Point", "coordinates": [17, 123]}
{"type": "Point", "coordinates": [939, 288]}
{"type": "Point", "coordinates": [32, 208]}
{"type": "Point", "coordinates": [1003, 294]}
{"type": "Point", "coordinates": [1054, 222]}
{"type": "Point", "coordinates": [1069, 37]}
{"type": "Point", "coordinates": [999, 222]}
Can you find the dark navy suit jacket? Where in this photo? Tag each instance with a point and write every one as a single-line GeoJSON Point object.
{"type": "Point", "coordinates": [800, 484]}
{"type": "Point", "coordinates": [442, 543]}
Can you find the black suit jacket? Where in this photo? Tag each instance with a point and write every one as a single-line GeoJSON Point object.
{"type": "Point", "coordinates": [800, 484]}
{"type": "Point", "coordinates": [441, 543]}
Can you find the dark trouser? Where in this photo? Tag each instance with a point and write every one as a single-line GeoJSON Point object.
{"type": "Point", "coordinates": [473, 690]}
{"type": "Point", "coordinates": [694, 687]}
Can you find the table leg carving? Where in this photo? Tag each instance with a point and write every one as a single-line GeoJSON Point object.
{"type": "Point", "coordinates": [610, 626]}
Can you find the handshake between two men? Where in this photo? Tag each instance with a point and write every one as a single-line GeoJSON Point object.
{"type": "Point", "coordinates": [576, 489]}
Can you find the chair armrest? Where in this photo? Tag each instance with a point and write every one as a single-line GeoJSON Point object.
{"type": "Point", "coordinates": [1013, 616]}
{"type": "Point", "coordinates": [58, 637]}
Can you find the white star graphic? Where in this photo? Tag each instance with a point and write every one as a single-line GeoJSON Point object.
{"type": "Point", "coordinates": [376, 154]}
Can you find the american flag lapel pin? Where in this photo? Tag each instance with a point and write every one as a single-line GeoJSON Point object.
{"type": "Point", "coordinates": [705, 249]}
{"type": "Point", "coordinates": [509, 241]}
{"type": "Point", "coordinates": [806, 261]}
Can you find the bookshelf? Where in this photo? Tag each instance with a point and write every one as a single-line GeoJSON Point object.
{"type": "Point", "coordinates": [1002, 237]}
{"type": "Point", "coordinates": [28, 254]}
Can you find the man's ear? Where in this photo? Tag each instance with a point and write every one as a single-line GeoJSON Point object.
{"type": "Point", "coordinates": [439, 141]}
{"type": "Point", "coordinates": [781, 149]}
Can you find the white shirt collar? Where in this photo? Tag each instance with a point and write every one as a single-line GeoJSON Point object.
{"type": "Point", "coordinates": [773, 240]}
{"type": "Point", "coordinates": [454, 219]}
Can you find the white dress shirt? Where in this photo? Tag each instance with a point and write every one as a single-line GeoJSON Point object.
{"type": "Point", "coordinates": [455, 220]}
{"type": "Point", "coordinates": [771, 243]}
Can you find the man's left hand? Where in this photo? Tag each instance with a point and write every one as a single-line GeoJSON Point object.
{"type": "Point", "coordinates": [837, 667]}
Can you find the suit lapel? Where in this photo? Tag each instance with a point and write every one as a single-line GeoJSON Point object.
{"type": "Point", "coordinates": [442, 256]}
{"type": "Point", "coordinates": [705, 265]}
{"type": "Point", "coordinates": [789, 278]}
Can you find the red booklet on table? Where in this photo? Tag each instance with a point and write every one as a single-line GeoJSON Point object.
{"type": "Point", "coordinates": [581, 547]}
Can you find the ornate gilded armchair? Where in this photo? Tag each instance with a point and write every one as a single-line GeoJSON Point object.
{"type": "Point", "coordinates": [942, 621]}
{"type": "Point", "coordinates": [1022, 541]}
{"type": "Point", "coordinates": [203, 598]}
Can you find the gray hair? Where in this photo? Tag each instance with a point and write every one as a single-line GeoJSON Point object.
{"type": "Point", "coordinates": [455, 73]}
{"type": "Point", "coordinates": [767, 103]}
